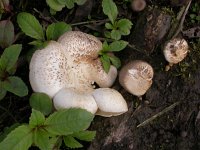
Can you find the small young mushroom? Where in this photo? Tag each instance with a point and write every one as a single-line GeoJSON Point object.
{"type": "Point", "coordinates": [70, 98]}
{"type": "Point", "coordinates": [136, 77]}
{"type": "Point", "coordinates": [138, 5]}
{"type": "Point", "coordinates": [110, 102]}
{"type": "Point", "coordinates": [175, 51]}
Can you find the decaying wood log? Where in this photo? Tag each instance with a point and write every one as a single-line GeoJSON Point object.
{"type": "Point", "coordinates": [150, 29]}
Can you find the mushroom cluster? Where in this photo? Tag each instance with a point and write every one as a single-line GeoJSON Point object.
{"type": "Point", "coordinates": [66, 70]}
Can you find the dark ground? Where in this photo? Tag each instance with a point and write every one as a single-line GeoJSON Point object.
{"type": "Point", "coordinates": [177, 129]}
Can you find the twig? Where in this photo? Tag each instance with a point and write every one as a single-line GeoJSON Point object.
{"type": "Point", "coordinates": [182, 19]}
{"type": "Point", "coordinates": [7, 111]}
{"type": "Point", "coordinates": [89, 22]}
{"type": "Point", "coordinates": [158, 115]}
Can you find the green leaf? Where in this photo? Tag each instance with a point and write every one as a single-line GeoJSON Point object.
{"type": "Point", "coordinates": [117, 46]}
{"type": "Point", "coordinates": [80, 2]}
{"type": "Point", "coordinates": [15, 85]}
{"type": "Point", "coordinates": [108, 26]}
{"type": "Point", "coordinates": [64, 122]}
{"type": "Point", "coordinates": [36, 43]}
{"type": "Point", "coordinates": [115, 61]}
{"type": "Point", "coordinates": [62, 2]}
{"type": "Point", "coordinates": [7, 130]}
{"type": "Point", "coordinates": [2, 91]}
{"type": "Point", "coordinates": [110, 9]}
{"type": "Point", "coordinates": [85, 135]}
{"type": "Point", "coordinates": [41, 139]}
{"type": "Point", "coordinates": [9, 57]}
{"type": "Point", "coordinates": [30, 25]}
{"type": "Point", "coordinates": [69, 4]}
{"type": "Point", "coordinates": [55, 30]}
{"type": "Point", "coordinates": [7, 35]}
{"type": "Point", "coordinates": [115, 34]}
{"type": "Point", "coordinates": [18, 139]}
{"type": "Point", "coordinates": [105, 48]}
{"type": "Point", "coordinates": [41, 102]}
{"type": "Point", "coordinates": [71, 142]}
{"type": "Point", "coordinates": [107, 34]}
{"type": "Point", "coordinates": [124, 26]}
{"type": "Point", "coordinates": [55, 5]}
{"type": "Point", "coordinates": [105, 62]}
{"type": "Point", "coordinates": [36, 119]}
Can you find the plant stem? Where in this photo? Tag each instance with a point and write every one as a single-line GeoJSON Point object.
{"type": "Point", "coordinates": [89, 22]}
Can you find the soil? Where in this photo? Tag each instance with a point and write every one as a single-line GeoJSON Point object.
{"type": "Point", "coordinates": [176, 129]}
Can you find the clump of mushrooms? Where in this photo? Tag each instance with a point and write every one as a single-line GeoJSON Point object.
{"type": "Point", "coordinates": [136, 77]}
{"type": "Point", "coordinates": [175, 51]}
{"type": "Point", "coordinates": [66, 71]}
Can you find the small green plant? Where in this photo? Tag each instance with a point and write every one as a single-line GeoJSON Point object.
{"type": "Point", "coordinates": [7, 35]}
{"type": "Point", "coordinates": [31, 27]}
{"type": "Point", "coordinates": [9, 82]}
{"type": "Point", "coordinates": [115, 29]}
{"type": "Point", "coordinates": [194, 15]}
{"type": "Point", "coordinates": [58, 5]}
{"type": "Point", "coordinates": [48, 133]}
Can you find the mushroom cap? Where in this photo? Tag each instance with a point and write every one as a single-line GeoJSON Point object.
{"type": "Point", "coordinates": [47, 74]}
{"type": "Point", "coordinates": [138, 5]}
{"type": "Point", "coordinates": [80, 45]}
{"type": "Point", "coordinates": [110, 102]}
{"type": "Point", "coordinates": [70, 98]}
{"type": "Point", "coordinates": [136, 77]}
{"type": "Point", "coordinates": [176, 50]}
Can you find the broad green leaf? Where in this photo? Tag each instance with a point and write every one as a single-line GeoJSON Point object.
{"type": "Point", "coordinates": [36, 43]}
{"type": "Point", "coordinates": [55, 30]}
{"type": "Point", "coordinates": [19, 139]}
{"type": "Point", "coordinates": [9, 57]}
{"type": "Point", "coordinates": [124, 26]}
{"type": "Point", "coordinates": [80, 2]}
{"type": "Point", "coordinates": [55, 5]}
{"type": "Point", "coordinates": [110, 9]}
{"type": "Point", "coordinates": [7, 35]}
{"type": "Point", "coordinates": [30, 25]}
{"type": "Point", "coordinates": [115, 34]}
{"type": "Point", "coordinates": [85, 135]}
{"type": "Point", "coordinates": [15, 85]}
{"type": "Point", "coordinates": [7, 130]}
{"type": "Point", "coordinates": [71, 142]}
{"type": "Point", "coordinates": [55, 142]}
{"type": "Point", "coordinates": [115, 61]}
{"type": "Point", "coordinates": [105, 48]}
{"type": "Point", "coordinates": [64, 122]}
{"type": "Point", "coordinates": [41, 139]}
{"type": "Point", "coordinates": [105, 62]}
{"type": "Point", "coordinates": [36, 119]}
{"type": "Point", "coordinates": [108, 26]}
{"type": "Point", "coordinates": [107, 34]}
{"type": "Point", "coordinates": [117, 46]}
{"type": "Point", "coordinates": [69, 4]}
{"type": "Point", "coordinates": [62, 2]}
{"type": "Point", "coordinates": [41, 102]}
{"type": "Point", "coordinates": [2, 91]}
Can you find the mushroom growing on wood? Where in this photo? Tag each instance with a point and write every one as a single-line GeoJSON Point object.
{"type": "Point", "coordinates": [136, 77]}
{"type": "Point", "coordinates": [66, 71]}
{"type": "Point", "coordinates": [175, 51]}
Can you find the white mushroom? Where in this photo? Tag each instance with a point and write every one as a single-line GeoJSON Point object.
{"type": "Point", "coordinates": [175, 51]}
{"type": "Point", "coordinates": [110, 102]}
{"type": "Point", "coordinates": [136, 77]}
{"type": "Point", "coordinates": [70, 98]}
{"type": "Point", "coordinates": [66, 70]}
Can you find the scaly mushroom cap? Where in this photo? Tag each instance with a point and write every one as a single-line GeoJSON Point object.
{"type": "Point", "coordinates": [70, 98]}
{"type": "Point", "coordinates": [136, 77]}
{"type": "Point", "coordinates": [110, 102]}
{"type": "Point", "coordinates": [47, 74]}
{"type": "Point", "coordinates": [176, 50]}
{"type": "Point", "coordinates": [79, 45]}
